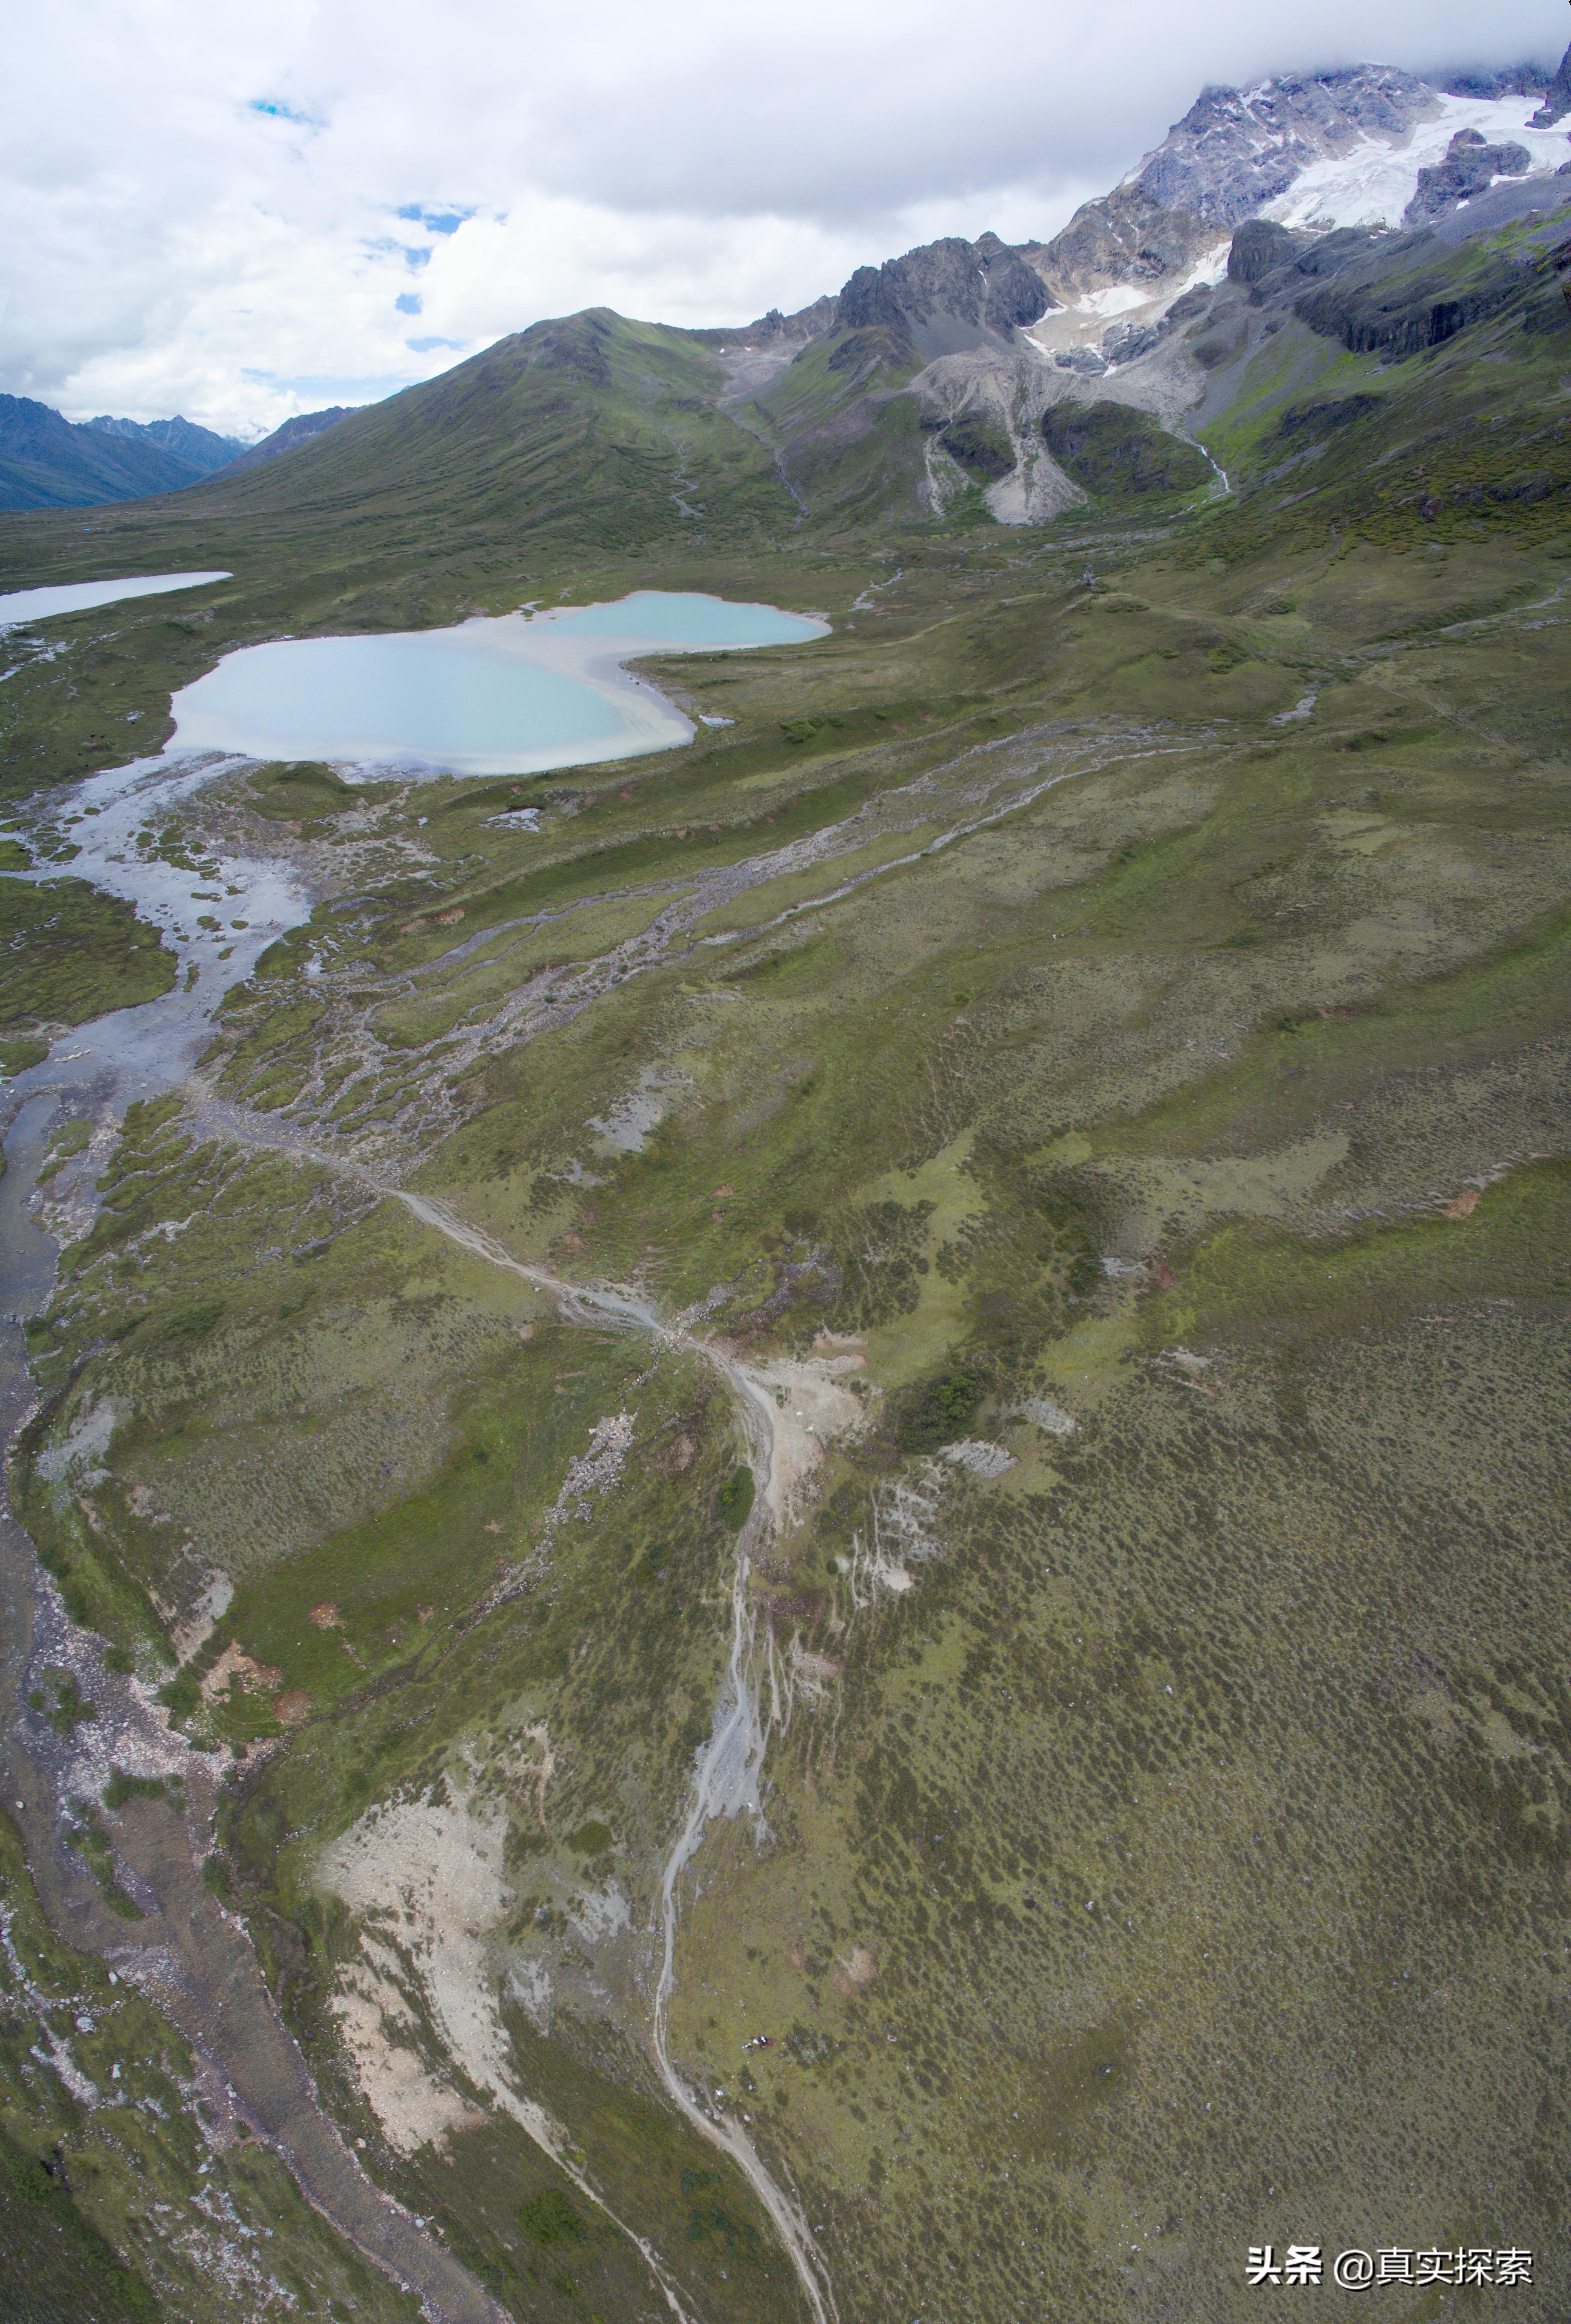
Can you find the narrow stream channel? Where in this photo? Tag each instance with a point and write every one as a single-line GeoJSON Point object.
{"type": "Point", "coordinates": [186, 1954]}
{"type": "Point", "coordinates": [190, 1957]}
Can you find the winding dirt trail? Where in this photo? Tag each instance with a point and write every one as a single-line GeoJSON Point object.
{"type": "Point", "coordinates": [201, 1969]}
{"type": "Point", "coordinates": [727, 1780]}
{"type": "Point", "coordinates": [205, 1969]}
{"type": "Point", "coordinates": [215, 1991]}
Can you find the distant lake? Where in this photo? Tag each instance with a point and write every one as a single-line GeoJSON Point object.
{"type": "Point", "coordinates": [77, 596]}
{"type": "Point", "coordinates": [514, 696]}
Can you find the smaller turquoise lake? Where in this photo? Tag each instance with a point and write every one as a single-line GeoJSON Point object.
{"type": "Point", "coordinates": [514, 696]}
{"type": "Point", "coordinates": [79, 596]}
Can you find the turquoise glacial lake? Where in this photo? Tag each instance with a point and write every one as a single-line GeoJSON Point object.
{"type": "Point", "coordinates": [513, 696]}
{"type": "Point", "coordinates": [79, 596]}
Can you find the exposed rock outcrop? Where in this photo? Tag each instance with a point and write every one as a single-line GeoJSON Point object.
{"type": "Point", "coordinates": [945, 296]}
{"type": "Point", "coordinates": [1123, 236]}
{"type": "Point", "coordinates": [1395, 315]}
{"type": "Point", "coordinates": [1556, 102]}
{"type": "Point", "coordinates": [1259, 247]}
{"type": "Point", "coordinates": [1471, 167]}
{"type": "Point", "coordinates": [1125, 342]}
{"type": "Point", "coordinates": [941, 297]}
{"type": "Point", "coordinates": [776, 329]}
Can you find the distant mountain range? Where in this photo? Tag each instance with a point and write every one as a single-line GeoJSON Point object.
{"type": "Point", "coordinates": [978, 335]}
{"type": "Point", "coordinates": [49, 462]}
{"type": "Point", "coordinates": [194, 448]}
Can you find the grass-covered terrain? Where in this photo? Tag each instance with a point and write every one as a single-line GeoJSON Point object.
{"type": "Point", "coordinates": [71, 953]}
{"type": "Point", "coordinates": [1099, 1016]}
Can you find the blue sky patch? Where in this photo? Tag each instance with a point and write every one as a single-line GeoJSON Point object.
{"type": "Point", "coordinates": [407, 302]}
{"type": "Point", "coordinates": [434, 221]}
{"type": "Point", "coordinates": [424, 346]}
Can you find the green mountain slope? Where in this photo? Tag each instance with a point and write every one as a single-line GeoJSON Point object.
{"type": "Point", "coordinates": [591, 433]}
{"type": "Point", "coordinates": [1416, 393]}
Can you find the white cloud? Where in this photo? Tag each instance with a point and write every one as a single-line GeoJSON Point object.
{"type": "Point", "coordinates": [170, 246]}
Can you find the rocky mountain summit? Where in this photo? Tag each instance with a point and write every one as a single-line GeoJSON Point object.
{"type": "Point", "coordinates": [940, 297]}
{"type": "Point", "coordinates": [199, 448]}
{"type": "Point", "coordinates": [1235, 156]}
{"type": "Point", "coordinates": [1237, 149]}
{"type": "Point", "coordinates": [945, 295]}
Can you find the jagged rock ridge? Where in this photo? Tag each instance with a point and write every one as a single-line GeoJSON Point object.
{"type": "Point", "coordinates": [200, 449]}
